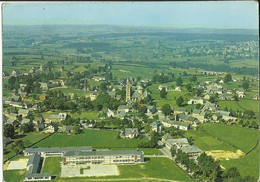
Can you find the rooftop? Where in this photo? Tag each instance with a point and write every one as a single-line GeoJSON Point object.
{"type": "Point", "coordinates": [104, 152]}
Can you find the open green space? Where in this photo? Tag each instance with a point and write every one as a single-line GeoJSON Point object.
{"type": "Point", "coordinates": [231, 138]}
{"type": "Point", "coordinates": [242, 138]}
{"type": "Point", "coordinates": [85, 115]}
{"type": "Point", "coordinates": [52, 165]}
{"type": "Point", "coordinates": [206, 142]}
{"type": "Point", "coordinates": [247, 165]}
{"type": "Point", "coordinates": [94, 138]}
{"type": "Point", "coordinates": [14, 175]}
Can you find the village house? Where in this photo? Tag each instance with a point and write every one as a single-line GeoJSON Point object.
{"type": "Point", "coordinates": [226, 115]}
{"type": "Point", "coordinates": [92, 95]}
{"type": "Point", "coordinates": [62, 116]}
{"type": "Point", "coordinates": [178, 89]}
{"type": "Point", "coordinates": [15, 73]}
{"type": "Point", "coordinates": [226, 96]}
{"type": "Point", "coordinates": [178, 143]}
{"type": "Point", "coordinates": [22, 86]}
{"type": "Point", "coordinates": [139, 94]}
{"type": "Point", "coordinates": [151, 109]}
{"type": "Point", "coordinates": [51, 118]}
{"type": "Point", "coordinates": [166, 137]}
{"type": "Point", "coordinates": [214, 88]}
{"type": "Point", "coordinates": [179, 110]}
{"type": "Point", "coordinates": [51, 128]}
{"type": "Point", "coordinates": [25, 121]}
{"type": "Point", "coordinates": [240, 93]}
{"type": "Point", "coordinates": [24, 112]}
{"type": "Point", "coordinates": [187, 119]}
{"type": "Point", "coordinates": [109, 113]}
{"type": "Point", "coordinates": [192, 151]}
{"type": "Point", "coordinates": [255, 97]}
{"type": "Point", "coordinates": [176, 124]}
{"type": "Point", "coordinates": [11, 115]}
{"type": "Point", "coordinates": [16, 98]}
{"type": "Point", "coordinates": [44, 86]}
{"type": "Point", "coordinates": [206, 97]}
{"type": "Point", "coordinates": [16, 104]}
{"type": "Point", "coordinates": [210, 106]}
{"type": "Point", "coordinates": [98, 78]}
{"type": "Point", "coordinates": [131, 132]}
{"type": "Point", "coordinates": [157, 126]}
{"type": "Point", "coordinates": [123, 108]}
{"type": "Point", "coordinates": [196, 100]}
{"type": "Point", "coordinates": [163, 86]}
{"type": "Point", "coordinates": [66, 129]}
{"type": "Point", "coordinates": [32, 70]}
{"type": "Point", "coordinates": [10, 121]}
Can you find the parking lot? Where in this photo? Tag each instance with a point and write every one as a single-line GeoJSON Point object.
{"type": "Point", "coordinates": [94, 170]}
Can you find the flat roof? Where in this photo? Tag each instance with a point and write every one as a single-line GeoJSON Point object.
{"type": "Point", "coordinates": [103, 152]}
{"type": "Point", "coordinates": [38, 175]}
{"type": "Point", "coordinates": [58, 149]}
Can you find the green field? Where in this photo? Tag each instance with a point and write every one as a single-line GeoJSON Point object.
{"type": "Point", "coordinates": [52, 165]}
{"type": "Point", "coordinates": [230, 138]}
{"type": "Point", "coordinates": [242, 138]}
{"type": "Point", "coordinates": [206, 142]}
{"type": "Point", "coordinates": [85, 115]}
{"type": "Point", "coordinates": [242, 104]}
{"type": "Point", "coordinates": [156, 168]}
{"type": "Point", "coordinates": [14, 175]}
{"type": "Point", "coordinates": [247, 165]}
{"type": "Point", "coordinates": [94, 138]}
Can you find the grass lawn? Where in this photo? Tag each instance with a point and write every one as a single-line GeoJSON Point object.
{"type": "Point", "coordinates": [242, 104]}
{"type": "Point", "coordinates": [206, 142]}
{"type": "Point", "coordinates": [247, 165]}
{"type": "Point", "coordinates": [85, 115]}
{"type": "Point", "coordinates": [52, 165]}
{"type": "Point", "coordinates": [160, 168]}
{"type": "Point", "coordinates": [94, 138]}
{"type": "Point", "coordinates": [242, 138]}
{"type": "Point", "coordinates": [14, 175]}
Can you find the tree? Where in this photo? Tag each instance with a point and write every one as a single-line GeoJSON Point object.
{"type": "Point", "coordinates": [166, 109]}
{"type": "Point", "coordinates": [179, 101]}
{"type": "Point", "coordinates": [245, 85]}
{"type": "Point", "coordinates": [189, 87]}
{"type": "Point", "coordinates": [232, 173]}
{"type": "Point", "coordinates": [9, 130]}
{"type": "Point", "coordinates": [179, 81]}
{"type": "Point", "coordinates": [76, 129]}
{"type": "Point", "coordinates": [191, 140]}
{"type": "Point", "coordinates": [193, 78]}
{"type": "Point", "coordinates": [163, 93]}
{"type": "Point", "coordinates": [173, 151]}
{"type": "Point", "coordinates": [227, 78]}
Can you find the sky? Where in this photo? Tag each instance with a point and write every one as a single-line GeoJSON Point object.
{"type": "Point", "coordinates": [228, 14]}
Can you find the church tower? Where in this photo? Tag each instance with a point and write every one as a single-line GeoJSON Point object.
{"type": "Point", "coordinates": [128, 90]}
